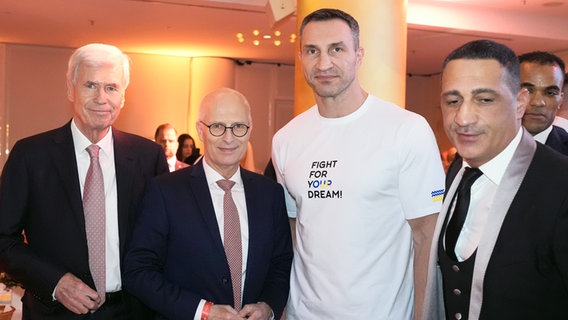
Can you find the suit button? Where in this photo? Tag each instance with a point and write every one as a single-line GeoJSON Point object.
{"type": "Point", "coordinates": [224, 280]}
{"type": "Point", "coordinates": [455, 268]}
{"type": "Point", "coordinates": [457, 292]}
{"type": "Point", "coordinates": [458, 316]}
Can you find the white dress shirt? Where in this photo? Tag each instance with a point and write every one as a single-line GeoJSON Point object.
{"type": "Point", "coordinates": [543, 135]}
{"type": "Point", "coordinates": [106, 159]}
{"type": "Point", "coordinates": [217, 194]}
{"type": "Point", "coordinates": [482, 196]}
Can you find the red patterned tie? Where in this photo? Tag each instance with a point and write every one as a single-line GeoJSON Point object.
{"type": "Point", "coordinates": [94, 210]}
{"type": "Point", "coordinates": [232, 240]}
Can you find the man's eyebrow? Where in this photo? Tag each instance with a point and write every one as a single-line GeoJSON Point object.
{"type": "Point", "coordinates": [451, 93]}
{"type": "Point", "coordinates": [483, 90]}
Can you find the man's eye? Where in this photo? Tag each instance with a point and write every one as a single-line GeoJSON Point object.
{"type": "Point", "coordinates": [217, 126]}
{"type": "Point", "coordinates": [336, 50]}
{"type": "Point", "coordinates": [91, 85]}
{"type": "Point", "coordinates": [311, 51]}
{"type": "Point", "coordinates": [552, 93]}
{"type": "Point", "coordinates": [452, 102]}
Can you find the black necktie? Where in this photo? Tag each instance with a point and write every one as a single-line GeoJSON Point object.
{"type": "Point", "coordinates": [460, 211]}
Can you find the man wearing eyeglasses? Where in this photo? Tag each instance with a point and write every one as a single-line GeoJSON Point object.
{"type": "Point", "coordinates": [180, 263]}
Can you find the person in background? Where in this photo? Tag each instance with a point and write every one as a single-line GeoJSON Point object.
{"type": "Point", "coordinates": [542, 74]}
{"type": "Point", "coordinates": [186, 146]}
{"type": "Point", "coordinates": [561, 119]}
{"type": "Point", "coordinates": [500, 247]}
{"type": "Point", "coordinates": [364, 220]}
{"type": "Point", "coordinates": [180, 261]}
{"type": "Point", "coordinates": [166, 136]}
{"type": "Point", "coordinates": [45, 190]}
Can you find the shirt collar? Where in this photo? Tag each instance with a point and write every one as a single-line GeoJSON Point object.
{"type": "Point", "coordinates": [172, 162]}
{"type": "Point", "coordinates": [81, 142]}
{"type": "Point", "coordinates": [543, 135]}
{"type": "Point", "coordinates": [214, 176]}
{"type": "Point", "coordinates": [494, 169]}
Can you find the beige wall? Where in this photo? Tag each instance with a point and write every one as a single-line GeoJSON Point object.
{"type": "Point", "coordinates": [162, 89]}
{"type": "Point", "coordinates": [423, 97]}
{"type": "Point", "coordinates": [166, 89]}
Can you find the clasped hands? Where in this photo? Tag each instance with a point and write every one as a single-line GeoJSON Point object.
{"type": "Point", "coordinates": [255, 311]}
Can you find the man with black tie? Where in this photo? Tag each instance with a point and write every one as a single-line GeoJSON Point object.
{"type": "Point", "coordinates": [213, 241]}
{"type": "Point", "coordinates": [75, 191]}
{"type": "Point", "coordinates": [505, 254]}
{"type": "Point", "coordinates": [542, 74]}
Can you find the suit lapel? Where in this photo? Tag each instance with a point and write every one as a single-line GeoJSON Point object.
{"type": "Point", "coordinates": [434, 299]}
{"type": "Point", "coordinates": [504, 196]}
{"type": "Point", "coordinates": [63, 156]}
{"type": "Point", "coordinates": [202, 195]}
{"type": "Point", "coordinates": [125, 163]}
{"type": "Point", "coordinates": [252, 210]}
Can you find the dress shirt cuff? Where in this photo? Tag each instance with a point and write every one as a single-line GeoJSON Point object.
{"type": "Point", "coordinates": [199, 310]}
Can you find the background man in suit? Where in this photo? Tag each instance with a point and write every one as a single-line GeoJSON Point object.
{"type": "Point", "coordinates": [511, 255]}
{"type": "Point", "coordinates": [542, 74]}
{"type": "Point", "coordinates": [166, 136]}
{"type": "Point", "coordinates": [177, 262]}
{"type": "Point", "coordinates": [41, 194]}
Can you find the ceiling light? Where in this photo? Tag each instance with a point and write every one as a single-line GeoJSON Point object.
{"type": "Point", "coordinates": [258, 37]}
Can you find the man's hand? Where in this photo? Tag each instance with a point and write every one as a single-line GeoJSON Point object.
{"type": "Point", "coordinates": [75, 295]}
{"type": "Point", "coordinates": [256, 311]}
{"type": "Point", "coordinates": [223, 312]}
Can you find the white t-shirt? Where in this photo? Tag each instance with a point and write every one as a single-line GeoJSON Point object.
{"type": "Point", "coordinates": [352, 182]}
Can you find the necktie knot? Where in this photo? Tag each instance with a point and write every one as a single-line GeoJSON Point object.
{"type": "Point", "coordinates": [225, 184]}
{"type": "Point", "coordinates": [469, 177]}
{"type": "Point", "coordinates": [93, 151]}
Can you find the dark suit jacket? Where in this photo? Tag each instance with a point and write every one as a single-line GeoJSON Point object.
{"type": "Point", "coordinates": [558, 140]}
{"type": "Point", "coordinates": [521, 266]}
{"type": "Point", "coordinates": [177, 258]}
{"type": "Point", "coordinates": [40, 194]}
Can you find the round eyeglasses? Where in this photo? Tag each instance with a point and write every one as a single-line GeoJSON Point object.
{"type": "Point", "coordinates": [218, 129]}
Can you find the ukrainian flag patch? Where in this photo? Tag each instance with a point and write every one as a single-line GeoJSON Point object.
{"type": "Point", "coordinates": [437, 195]}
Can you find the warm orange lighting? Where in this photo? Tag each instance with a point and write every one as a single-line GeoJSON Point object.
{"type": "Point", "coordinates": [258, 37]}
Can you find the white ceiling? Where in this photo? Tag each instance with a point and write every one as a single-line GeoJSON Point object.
{"type": "Point", "coordinates": [208, 27]}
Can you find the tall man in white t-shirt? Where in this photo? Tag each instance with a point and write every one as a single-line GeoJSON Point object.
{"type": "Point", "coordinates": [364, 213]}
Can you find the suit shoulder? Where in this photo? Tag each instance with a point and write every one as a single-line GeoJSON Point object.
{"type": "Point", "coordinates": [41, 139]}
{"type": "Point", "coordinates": [134, 141]}
{"type": "Point", "coordinates": [549, 160]}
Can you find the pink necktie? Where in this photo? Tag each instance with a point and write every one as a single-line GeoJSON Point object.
{"type": "Point", "coordinates": [94, 210]}
{"type": "Point", "coordinates": [232, 240]}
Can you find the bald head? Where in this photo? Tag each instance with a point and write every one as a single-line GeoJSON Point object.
{"type": "Point", "coordinates": [226, 112]}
